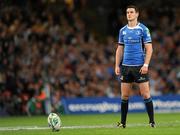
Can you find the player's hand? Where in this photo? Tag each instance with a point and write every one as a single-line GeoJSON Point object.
{"type": "Point", "coordinates": [117, 70]}
{"type": "Point", "coordinates": [144, 70]}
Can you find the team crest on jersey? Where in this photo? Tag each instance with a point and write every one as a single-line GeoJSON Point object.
{"type": "Point", "coordinates": [138, 32]}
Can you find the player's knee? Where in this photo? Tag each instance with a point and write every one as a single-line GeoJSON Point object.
{"type": "Point", "coordinates": [146, 96]}
{"type": "Point", "coordinates": [125, 97]}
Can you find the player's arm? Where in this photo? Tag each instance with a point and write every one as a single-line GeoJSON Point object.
{"type": "Point", "coordinates": [149, 50]}
{"type": "Point", "coordinates": [118, 58]}
{"type": "Point", "coordinates": [119, 53]}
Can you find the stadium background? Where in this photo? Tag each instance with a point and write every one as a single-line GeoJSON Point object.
{"type": "Point", "coordinates": [62, 49]}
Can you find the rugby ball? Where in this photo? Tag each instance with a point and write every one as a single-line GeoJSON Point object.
{"type": "Point", "coordinates": [54, 121]}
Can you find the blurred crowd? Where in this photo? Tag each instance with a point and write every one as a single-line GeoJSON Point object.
{"type": "Point", "coordinates": [48, 54]}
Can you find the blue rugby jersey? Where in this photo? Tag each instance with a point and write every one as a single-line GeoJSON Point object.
{"type": "Point", "coordinates": [133, 40]}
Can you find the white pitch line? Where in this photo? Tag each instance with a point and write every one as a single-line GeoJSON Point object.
{"type": "Point", "coordinates": [63, 127]}
{"type": "Point", "coordinates": [161, 124]}
{"type": "Point", "coordinates": [22, 128]}
{"type": "Point", "coordinates": [88, 126]}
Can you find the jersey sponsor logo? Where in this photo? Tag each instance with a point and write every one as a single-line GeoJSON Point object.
{"type": "Point", "coordinates": [130, 41]}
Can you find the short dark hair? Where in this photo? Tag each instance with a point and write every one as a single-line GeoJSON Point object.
{"type": "Point", "coordinates": [133, 6]}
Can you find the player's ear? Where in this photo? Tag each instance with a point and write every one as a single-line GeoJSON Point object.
{"type": "Point", "coordinates": [137, 13]}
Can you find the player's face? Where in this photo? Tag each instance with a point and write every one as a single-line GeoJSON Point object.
{"type": "Point", "coordinates": [131, 14]}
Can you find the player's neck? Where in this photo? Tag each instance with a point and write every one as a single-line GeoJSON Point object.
{"type": "Point", "coordinates": [132, 23]}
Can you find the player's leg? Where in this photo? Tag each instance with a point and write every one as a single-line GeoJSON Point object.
{"type": "Point", "coordinates": [126, 80]}
{"type": "Point", "coordinates": [143, 81]}
{"type": "Point", "coordinates": [145, 92]}
{"type": "Point", "coordinates": [125, 91]}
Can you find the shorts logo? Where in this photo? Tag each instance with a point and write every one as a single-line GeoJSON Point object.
{"type": "Point", "coordinates": [121, 77]}
{"type": "Point", "coordinates": [141, 79]}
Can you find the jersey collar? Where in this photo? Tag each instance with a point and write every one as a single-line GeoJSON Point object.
{"type": "Point", "coordinates": [133, 27]}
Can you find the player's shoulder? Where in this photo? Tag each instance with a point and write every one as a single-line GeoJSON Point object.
{"type": "Point", "coordinates": [142, 26]}
{"type": "Point", "coordinates": [123, 28]}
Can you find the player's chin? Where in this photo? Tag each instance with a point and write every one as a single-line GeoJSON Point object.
{"type": "Point", "coordinates": [117, 73]}
{"type": "Point", "coordinates": [129, 19]}
{"type": "Point", "coordinates": [143, 73]}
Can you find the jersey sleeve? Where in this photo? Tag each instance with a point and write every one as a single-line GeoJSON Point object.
{"type": "Point", "coordinates": [120, 40]}
{"type": "Point", "coordinates": [146, 36]}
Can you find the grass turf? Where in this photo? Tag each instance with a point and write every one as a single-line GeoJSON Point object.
{"type": "Point", "coordinates": [167, 124]}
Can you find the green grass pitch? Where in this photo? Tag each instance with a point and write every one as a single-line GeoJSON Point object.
{"type": "Point", "coordinates": [101, 124]}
